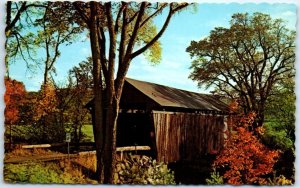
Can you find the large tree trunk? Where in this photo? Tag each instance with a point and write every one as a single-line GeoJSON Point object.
{"type": "Point", "coordinates": [113, 92]}
{"type": "Point", "coordinates": [98, 124]}
{"type": "Point", "coordinates": [251, 104]}
{"type": "Point", "coordinates": [112, 102]}
{"type": "Point", "coordinates": [112, 108]}
{"type": "Point", "coordinates": [110, 141]}
{"type": "Point", "coordinates": [98, 107]}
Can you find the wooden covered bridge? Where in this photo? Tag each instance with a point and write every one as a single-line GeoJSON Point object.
{"type": "Point", "coordinates": [176, 124]}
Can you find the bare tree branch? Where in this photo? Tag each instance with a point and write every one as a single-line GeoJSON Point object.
{"type": "Point", "coordinates": [82, 14]}
{"type": "Point", "coordinates": [159, 10]}
{"type": "Point", "coordinates": [159, 34]}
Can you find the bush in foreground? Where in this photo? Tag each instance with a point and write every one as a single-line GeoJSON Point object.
{"type": "Point", "coordinates": [215, 178]}
{"type": "Point", "coordinates": [142, 170]}
{"type": "Point", "coordinates": [62, 172]}
{"type": "Point", "coordinates": [280, 180]}
{"type": "Point", "coordinates": [245, 160]}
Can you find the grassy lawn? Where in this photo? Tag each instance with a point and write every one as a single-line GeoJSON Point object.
{"type": "Point", "coordinates": [75, 171]}
{"type": "Point", "coordinates": [22, 132]}
{"type": "Point", "coordinates": [88, 131]}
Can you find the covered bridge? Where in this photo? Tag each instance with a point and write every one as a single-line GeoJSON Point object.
{"type": "Point", "coordinates": [176, 124]}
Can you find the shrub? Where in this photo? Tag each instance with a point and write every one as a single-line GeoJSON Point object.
{"type": "Point", "coordinates": [215, 178]}
{"type": "Point", "coordinates": [280, 180]}
{"type": "Point", "coordinates": [142, 170]}
{"type": "Point", "coordinates": [278, 136]}
{"type": "Point", "coordinates": [62, 172]}
{"type": "Point", "coordinates": [31, 173]}
{"type": "Point", "coordinates": [244, 159]}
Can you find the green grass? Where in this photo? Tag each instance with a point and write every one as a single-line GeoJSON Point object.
{"type": "Point", "coordinates": [88, 131]}
{"type": "Point", "coordinates": [22, 132]}
{"type": "Point", "coordinates": [51, 172]}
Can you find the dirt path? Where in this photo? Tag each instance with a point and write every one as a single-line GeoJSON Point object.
{"type": "Point", "coordinates": [32, 157]}
{"type": "Point", "coordinates": [54, 157]}
{"type": "Point", "coordinates": [48, 157]}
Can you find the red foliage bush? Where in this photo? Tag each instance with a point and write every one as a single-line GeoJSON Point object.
{"type": "Point", "coordinates": [13, 97]}
{"type": "Point", "coordinates": [244, 159]}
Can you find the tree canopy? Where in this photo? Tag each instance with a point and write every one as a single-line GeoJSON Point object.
{"type": "Point", "coordinates": [246, 60]}
{"type": "Point", "coordinates": [20, 17]}
{"type": "Point", "coordinates": [55, 28]}
{"type": "Point", "coordinates": [280, 116]}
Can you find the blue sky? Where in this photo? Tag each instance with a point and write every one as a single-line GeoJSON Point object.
{"type": "Point", "coordinates": [174, 68]}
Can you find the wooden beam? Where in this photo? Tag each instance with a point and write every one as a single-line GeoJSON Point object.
{"type": "Point", "coordinates": [133, 148]}
{"type": "Point", "coordinates": [36, 146]}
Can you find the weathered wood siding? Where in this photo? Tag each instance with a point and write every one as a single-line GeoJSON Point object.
{"type": "Point", "coordinates": [187, 136]}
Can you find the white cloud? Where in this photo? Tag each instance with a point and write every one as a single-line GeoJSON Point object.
{"type": "Point", "coordinates": [85, 51]}
{"type": "Point", "coordinates": [289, 18]}
{"type": "Point", "coordinates": [288, 14]}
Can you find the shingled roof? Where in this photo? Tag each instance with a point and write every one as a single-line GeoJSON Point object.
{"type": "Point", "coordinates": [171, 97]}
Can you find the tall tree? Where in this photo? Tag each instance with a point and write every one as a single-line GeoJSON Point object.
{"type": "Point", "coordinates": [56, 29]}
{"type": "Point", "coordinates": [246, 60]}
{"type": "Point", "coordinates": [130, 32]}
{"type": "Point", "coordinates": [49, 30]}
{"type": "Point", "coordinates": [14, 94]}
{"type": "Point", "coordinates": [13, 98]}
{"type": "Point", "coordinates": [79, 94]}
{"type": "Point", "coordinates": [31, 26]}
{"type": "Point", "coordinates": [280, 116]}
{"type": "Point", "coordinates": [20, 16]}
{"type": "Point", "coordinates": [280, 126]}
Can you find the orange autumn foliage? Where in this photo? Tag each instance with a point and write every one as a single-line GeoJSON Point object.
{"type": "Point", "coordinates": [13, 98]}
{"type": "Point", "coordinates": [46, 102]}
{"type": "Point", "coordinates": [244, 158]}
{"type": "Point", "coordinates": [233, 106]}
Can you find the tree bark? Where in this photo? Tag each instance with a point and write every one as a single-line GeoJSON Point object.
{"type": "Point", "coordinates": [110, 141]}
{"type": "Point", "coordinates": [46, 73]}
{"type": "Point", "coordinates": [98, 107]}
{"type": "Point", "coordinates": [261, 112]}
{"type": "Point", "coordinates": [112, 105]}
